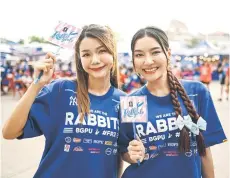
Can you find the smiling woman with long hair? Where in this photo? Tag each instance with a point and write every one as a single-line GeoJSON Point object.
{"type": "Point", "coordinates": [79, 119]}
{"type": "Point", "coordinates": [182, 120]}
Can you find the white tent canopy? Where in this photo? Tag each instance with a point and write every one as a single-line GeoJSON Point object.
{"type": "Point", "coordinates": [5, 48]}
{"type": "Point", "coordinates": [179, 48]}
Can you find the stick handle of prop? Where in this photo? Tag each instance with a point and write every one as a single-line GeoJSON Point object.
{"type": "Point", "coordinates": [41, 73]}
{"type": "Point", "coordinates": [135, 137]}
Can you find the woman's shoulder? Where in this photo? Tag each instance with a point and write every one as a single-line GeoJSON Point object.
{"type": "Point", "coordinates": [193, 86]}
{"type": "Point", "coordinates": [60, 84]}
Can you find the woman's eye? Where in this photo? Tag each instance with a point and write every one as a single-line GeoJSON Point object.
{"type": "Point", "coordinates": [102, 51]}
{"type": "Point", "coordinates": [86, 55]}
{"type": "Point", "coordinates": [138, 55]}
{"type": "Point", "coordinates": [156, 52]}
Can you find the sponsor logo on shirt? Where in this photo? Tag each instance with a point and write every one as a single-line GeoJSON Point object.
{"type": "Point", "coordinates": [156, 138]}
{"type": "Point", "coordinates": [117, 106]}
{"type": "Point", "coordinates": [115, 151]}
{"type": "Point", "coordinates": [225, 140]}
{"type": "Point", "coordinates": [98, 142]}
{"type": "Point", "coordinates": [78, 148]}
{"type": "Point", "coordinates": [76, 140]}
{"type": "Point", "coordinates": [73, 101]}
{"type": "Point", "coordinates": [85, 140]}
{"type": "Point", "coordinates": [195, 151]}
{"type": "Point", "coordinates": [173, 144]}
{"type": "Point", "coordinates": [68, 130]}
{"type": "Point", "coordinates": [68, 139]}
{"type": "Point", "coordinates": [177, 134]}
{"type": "Point", "coordinates": [110, 133]}
{"type": "Point", "coordinates": [108, 151]}
{"type": "Point", "coordinates": [193, 144]}
{"type": "Point", "coordinates": [66, 148]}
{"type": "Point", "coordinates": [84, 130]}
{"type": "Point", "coordinates": [94, 150]}
{"type": "Point", "coordinates": [97, 132]}
{"type": "Point", "coordinates": [152, 147]}
{"type": "Point", "coordinates": [189, 153]}
{"type": "Point", "coordinates": [161, 146]}
{"type": "Point", "coordinates": [171, 153]}
{"type": "Point", "coordinates": [108, 143]}
{"type": "Point", "coordinates": [153, 155]}
{"type": "Point", "coordinates": [115, 144]}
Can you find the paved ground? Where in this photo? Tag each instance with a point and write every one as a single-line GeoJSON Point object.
{"type": "Point", "coordinates": [19, 159]}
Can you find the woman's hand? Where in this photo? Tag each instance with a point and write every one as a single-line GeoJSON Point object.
{"type": "Point", "coordinates": [47, 66]}
{"type": "Point", "coordinates": [136, 150]}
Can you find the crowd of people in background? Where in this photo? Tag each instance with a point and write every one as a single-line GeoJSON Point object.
{"type": "Point", "coordinates": [16, 79]}
{"type": "Point", "coordinates": [223, 70]}
{"type": "Point", "coordinates": [202, 72]}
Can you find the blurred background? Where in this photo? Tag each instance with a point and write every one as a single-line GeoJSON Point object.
{"type": "Point", "coordinates": [199, 36]}
{"type": "Point", "coordinates": [202, 57]}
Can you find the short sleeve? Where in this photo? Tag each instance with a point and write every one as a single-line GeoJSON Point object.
{"type": "Point", "coordinates": [214, 133]}
{"type": "Point", "coordinates": [38, 115]}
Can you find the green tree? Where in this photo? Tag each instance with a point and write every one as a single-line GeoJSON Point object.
{"type": "Point", "coordinates": [193, 42]}
{"type": "Point", "coordinates": [21, 41]}
{"type": "Point", "coordinates": [36, 39]}
{"type": "Point", "coordinates": [215, 43]}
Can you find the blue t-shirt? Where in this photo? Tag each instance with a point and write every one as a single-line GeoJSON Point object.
{"type": "Point", "coordinates": [160, 135]}
{"type": "Point", "coordinates": [74, 150]}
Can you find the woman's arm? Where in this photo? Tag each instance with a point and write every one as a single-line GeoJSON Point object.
{"type": "Point", "coordinates": [15, 124]}
{"type": "Point", "coordinates": [207, 165]}
{"type": "Point", "coordinates": [120, 166]}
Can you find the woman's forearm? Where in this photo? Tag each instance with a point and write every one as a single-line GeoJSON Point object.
{"type": "Point", "coordinates": [207, 165]}
{"type": "Point", "coordinates": [13, 127]}
{"type": "Point", "coordinates": [120, 166]}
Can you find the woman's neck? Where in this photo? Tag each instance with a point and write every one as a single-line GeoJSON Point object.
{"type": "Point", "coordinates": [159, 87]}
{"type": "Point", "coordinates": [99, 86]}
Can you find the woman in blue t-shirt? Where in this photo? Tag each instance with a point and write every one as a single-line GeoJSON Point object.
{"type": "Point", "coordinates": [182, 120]}
{"type": "Point", "coordinates": [79, 119]}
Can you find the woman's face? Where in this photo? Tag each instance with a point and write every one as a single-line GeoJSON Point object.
{"type": "Point", "coordinates": [149, 59]}
{"type": "Point", "coordinates": [95, 58]}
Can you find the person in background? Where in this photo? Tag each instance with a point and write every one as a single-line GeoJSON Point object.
{"type": "Point", "coordinates": [206, 74]}
{"type": "Point", "coordinates": [227, 82]}
{"type": "Point", "coordinates": [222, 69]}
